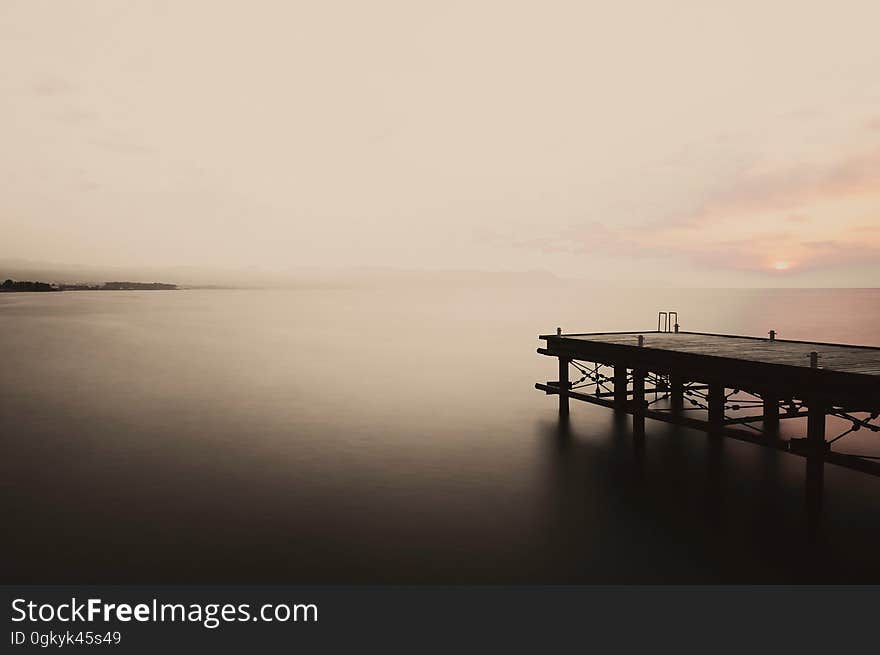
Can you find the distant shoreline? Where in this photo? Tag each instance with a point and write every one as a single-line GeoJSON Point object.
{"type": "Point", "coordinates": [28, 286]}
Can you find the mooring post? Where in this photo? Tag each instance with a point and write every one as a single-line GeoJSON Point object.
{"type": "Point", "coordinates": [563, 385]}
{"type": "Point", "coordinates": [676, 393]}
{"type": "Point", "coordinates": [716, 407]}
{"type": "Point", "coordinates": [770, 416]}
{"type": "Point", "coordinates": [638, 403]}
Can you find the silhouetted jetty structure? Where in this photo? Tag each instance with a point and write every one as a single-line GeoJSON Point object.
{"type": "Point", "coordinates": [725, 385]}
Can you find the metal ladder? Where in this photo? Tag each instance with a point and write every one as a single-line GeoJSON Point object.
{"type": "Point", "coordinates": [665, 322]}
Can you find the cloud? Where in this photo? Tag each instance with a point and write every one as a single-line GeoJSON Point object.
{"type": "Point", "coordinates": [762, 199]}
{"type": "Point", "coordinates": [580, 237]}
{"type": "Point", "coordinates": [785, 219]}
{"type": "Point", "coordinates": [791, 188]}
{"type": "Point", "coordinates": [52, 86]}
{"type": "Point", "coordinates": [121, 146]}
{"type": "Point", "coordinates": [74, 116]}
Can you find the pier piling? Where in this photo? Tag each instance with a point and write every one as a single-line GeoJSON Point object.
{"type": "Point", "coordinates": [620, 387]}
{"type": "Point", "coordinates": [676, 393]}
{"type": "Point", "coordinates": [770, 416]}
{"type": "Point", "coordinates": [716, 408]}
{"type": "Point", "coordinates": [563, 386]}
{"type": "Point", "coordinates": [638, 410]}
{"type": "Point", "coordinates": [816, 449]}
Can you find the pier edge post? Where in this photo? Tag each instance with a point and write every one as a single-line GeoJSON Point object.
{"type": "Point", "coordinates": [676, 393]}
{"type": "Point", "coordinates": [563, 385]}
{"type": "Point", "coordinates": [770, 409]}
{"type": "Point", "coordinates": [620, 390]}
{"type": "Point", "coordinates": [638, 404]}
{"type": "Point", "coordinates": [816, 447]}
{"type": "Point", "coordinates": [716, 407]}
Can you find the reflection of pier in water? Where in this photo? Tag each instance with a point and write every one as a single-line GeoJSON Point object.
{"type": "Point", "coordinates": [734, 386]}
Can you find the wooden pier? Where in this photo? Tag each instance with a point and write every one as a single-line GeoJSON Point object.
{"type": "Point", "coordinates": [734, 386]}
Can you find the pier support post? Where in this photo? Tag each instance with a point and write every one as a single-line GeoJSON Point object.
{"type": "Point", "coordinates": [620, 391]}
{"type": "Point", "coordinates": [816, 448]}
{"type": "Point", "coordinates": [716, 407]}
{"type": "Point", "coordinates": [771, 416]}
{"type": "Point", "coordinates": [676, 393]}
{"type": "Point", "coordinates": [563, 385]}
{"type": "Point", "coordinates": [816, 427]}
{"type": "Point", "coordinates": [638, 403]}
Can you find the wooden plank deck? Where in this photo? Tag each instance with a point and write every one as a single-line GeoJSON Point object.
{"type": "Point", "coordinates": [835, 357]}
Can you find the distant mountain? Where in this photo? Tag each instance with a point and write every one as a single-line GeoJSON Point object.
{"type": "Point", "coordinates": [138, 286]}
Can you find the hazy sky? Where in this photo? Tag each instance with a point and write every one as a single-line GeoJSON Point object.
{"type": "Point", "coordinates": [722, 142]}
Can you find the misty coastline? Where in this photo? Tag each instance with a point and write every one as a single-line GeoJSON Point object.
{"type": "Point", "coordinates": [28, 286]}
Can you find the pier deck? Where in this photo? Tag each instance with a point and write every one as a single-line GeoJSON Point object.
{"type": "Point", "coordinates": [722, 377]}
{"type": "Point", "coordinates": [836, 357]}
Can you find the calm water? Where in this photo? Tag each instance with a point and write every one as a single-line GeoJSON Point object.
{"type": "Point", "coordinates": [392, 436]}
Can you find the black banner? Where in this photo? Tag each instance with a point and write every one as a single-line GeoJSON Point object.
{"type": "Point", "coordinates": [222, 619]}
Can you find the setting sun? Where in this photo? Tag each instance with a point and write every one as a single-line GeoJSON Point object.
{"type": "Point", "coordinates": [781, 265]}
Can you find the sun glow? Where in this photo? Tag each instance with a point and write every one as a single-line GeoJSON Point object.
{"type": "Point", "coordinates": [781, 265]}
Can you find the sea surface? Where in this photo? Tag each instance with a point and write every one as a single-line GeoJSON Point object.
{"type": "Point", "coordinates": [393, 435]}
